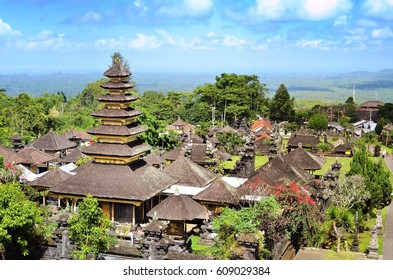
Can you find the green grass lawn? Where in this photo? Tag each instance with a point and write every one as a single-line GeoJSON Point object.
{"type": "Point", "coordinates": [345, 161]}
{"type": "Point", "coordinates": [259, 161]}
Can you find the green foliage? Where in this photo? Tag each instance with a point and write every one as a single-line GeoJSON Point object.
{"type": "Point", "coordinates": [234, 96]}
{"type": "Point", "coordinates": [230, 141]}
{"type": "Point", "coordinates": [282, 106]}
{"type": "Point", "coordinates": [376, 180]}
{"type": "Point", "coordinates": [21, 221]}
{"type": "Point", "coordinates": [318, 122]}
{"type": "Point", "coordinates": [89, 230]}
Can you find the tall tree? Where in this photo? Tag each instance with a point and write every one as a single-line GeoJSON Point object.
{"type": "Point", "coordinates": [282, 106]}
{"type": "Point", "coordinates": [375, 177]}
{"type": "Point", "coordinates": [318, 122]}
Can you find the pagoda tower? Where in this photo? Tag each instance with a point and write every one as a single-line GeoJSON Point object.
{"type": "Point", "coordinates": [116, 136]}
{"type": "Point", "coordinates": [124, 184]}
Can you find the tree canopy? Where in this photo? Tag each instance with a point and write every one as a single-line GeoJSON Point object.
{"type": "Point", "coordinates": [282, 106]}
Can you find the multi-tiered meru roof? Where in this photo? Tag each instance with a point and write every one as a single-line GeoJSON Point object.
{"type": "Point", "coordinates": [117, 172]}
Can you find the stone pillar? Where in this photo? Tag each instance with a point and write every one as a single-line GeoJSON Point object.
{"type": "Point", "coordinates": [378, 223]}
{"type": "Point", "coordinates": [355, 243]}
{"type": "Point", "coordinates": [373, 246]}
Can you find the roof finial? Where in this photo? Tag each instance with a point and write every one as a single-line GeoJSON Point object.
{"type": "Point", "coordinates": [117, 61]}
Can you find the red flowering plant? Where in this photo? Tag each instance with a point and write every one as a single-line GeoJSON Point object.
{"type": "Point", "coordinates": [298, 208]}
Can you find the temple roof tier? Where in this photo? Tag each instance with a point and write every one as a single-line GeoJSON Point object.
{"type": "Point", "coordinates": [117, 71]}
{"type": "Point", "coordinates": [121, 85]}
{"type": "Point", "coordinates": [137, 181]}
{"type": "Point", "coordinates": [117, 130]}
{"type": "Point", "coordinates": [116, 113]}
{"type": "Point", "coordinates": [122, 150]}
{"type": "Point", "coordinates": [117, 97]}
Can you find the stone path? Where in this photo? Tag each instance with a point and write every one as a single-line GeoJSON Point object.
{"type": "Point", "coordinates": [387, 251]}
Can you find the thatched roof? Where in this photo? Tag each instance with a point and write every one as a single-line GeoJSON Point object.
{"type": "Point", "coordinates": [116, 113]}
{"type": "Point", "coordinates": [137, 181]}
{"type": "Point", "coordinates": [188, 173]}
{"type": "Point", "coordinates": [117, 97]}
{"type": "Point", "coordinates": [74, 134]}
{"type": "Point", "coordinates": [304, 140]}
{"type": "Point", "coordinates": [153, 158]}
{"type": "Point", "coordinates": [343, 147]}
{"type": "Point", "coordinates": [218, 192]}
{"type": "Point", "coordinates": [117, 70]}
{"type": "Point", "coordinates": [50, 179]}
{"type": "Point", "coordinates": [304, 160]}
{"type": "Point", "coordinates": [179, 208]}
{"type": "Point", "coordinates": [117, 130]}
{"type": "Point", "coordinates": [280, 171]}
{"type": "Point", "coordinates": [10, 156]}
{"type": "Point", "coordinates": [124, 85]}
{"type": "Point", "coordinates": [33, 156]}
{"type": "Point", "coordinates": [74, 156]}
{"type": "Point", "coordinates": [121, 150]}
{"type": "Point", "coordinates": [52, 142]}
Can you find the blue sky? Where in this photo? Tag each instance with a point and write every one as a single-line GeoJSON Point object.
{"type": "Point", "coordinates": [254, 36]}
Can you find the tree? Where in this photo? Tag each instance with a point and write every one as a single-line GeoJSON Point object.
{"type": "Point", "coordinates": [318, 122]}
{"type": "Point", "coordinates": [350, 192]}
{"type": "Point", "coordinates": [119, 58]}
{"type": "Point", "coordinates": [234, 96]}
{"type": "Point", "coordinates": [22, 226]}
{"type": "Point", "coordinates": [89, 230]}
{"type": "Point", "coordinates": [323, 147]}
{"type": "Point", "coordinates": [282, 106]}
{"type": "Point", "coordinates": [376, 179]}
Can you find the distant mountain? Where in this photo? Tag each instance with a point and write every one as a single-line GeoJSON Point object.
{"type": "Point", "coordinates": [327, 87]}
{"type": "Point", "coordinates": [72, 84]}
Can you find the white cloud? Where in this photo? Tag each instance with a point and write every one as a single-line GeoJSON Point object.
{"type": "Point", "coordinates": [166, 36]}
{"type": "Point", "coordinates": [211, 35]}
{"type": "Point", "coordinates": [382, 33]}
{"type": "Point", "coordinates": [192, 8]}
{"type": "Point", "coordinates": [326, 9]}
{"type": "Point", "coordinates": [47, 40]}
{"type": "Point", "coordinates": [232, 41]}
{"type": "Point", "coordinates": [143, 42]}
{"type": "Point", "coordinates": [6, 29]}
{"type": "Point", "coordinates": [315, 44]}
{"type": "Point", "coordinates": [379, 8]}
{"type": "Point", "coordinates": [298, 9]}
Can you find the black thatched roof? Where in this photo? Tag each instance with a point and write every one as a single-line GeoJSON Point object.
{"type": "Point", "coordinates": [304, 160]}
{"type": "Point", "coordinates": [188, 173]}
{"type": "Point", "coordinates": [117, 130]}
{"type": "Point", "coordinates": [280, 171]}
{"type": "Point", "coordinates": [117, 97]}
{"type": "Point", "coordinates": [121, 150]}
{"type": "Point", "coordinates": [218, 192]}
{"type": "Point", "coordinates": [50, 179]}
{"type": "Point", "coordinates": [179, 208]}
{"type": "Point", "coordinates": [137, 181]}
{"type": "Point", "coordinates": [74, 156]}
{"type": "Point", "coordinates": [153, 158]}
{"type": "Point", "coordinates": [343, 147]}
{"type": "Point", "coordinates": [304, 140]}
{"type": "Point", "coordinates": [116, 113]}
{"type": "Point", "coordinates": [52, 142]}
{"type": "Point", "coordinates": [118, 85]}
{"type": "Point", "coordinates": [117, 70]}
{"type": "Point", "coordinates": [33, 156]}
